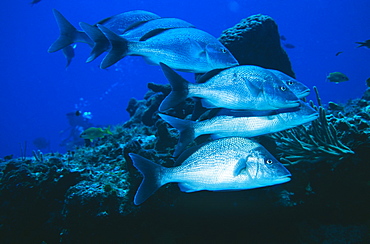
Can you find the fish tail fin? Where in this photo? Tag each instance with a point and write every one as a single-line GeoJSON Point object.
{"type": "Point", "coordinates": [68, 33]}
{"type": "Point", "coordinates": [69, 53]}
{"type": "Point", "coordinates": [119, 47]}
{"type": "Point", "coordinates": [361, 44]}
{"type": "Point", "coordinates": [152, 180]}
{"type": "Point", "coordinates": [180, 88]}
{"type": "Point", "coordinates": [186, 128]}
{"type": "Point", "coordinates": [108, 131]}
{"type": "Point", "coordinates": [101, 43]}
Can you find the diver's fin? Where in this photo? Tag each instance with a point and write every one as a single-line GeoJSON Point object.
{"type": "Point", "coordinates": [119, 48]}
{"type": "Point", "coordinates": [68, 34]}
{"type": "Point", "coordinates": [152, 174]}
{"type": "Point", "coordinates": [101, 43]}
{"type": "Point", "coordinates": [180, 88]}
{"type": "Point", "coordinates": [186, 129]}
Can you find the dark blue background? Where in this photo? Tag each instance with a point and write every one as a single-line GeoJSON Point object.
{"type": "Point", "coordinates": [37, 91]}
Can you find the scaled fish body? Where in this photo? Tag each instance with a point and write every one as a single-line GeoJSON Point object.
{"type": "Point", "coordinates": [227, 164]}
{"type": "Point", "coordinates": [298, 88]}
{"type": "Point", "coordinates": [235, 123]}
{"type": "Point", "coordinates": [244, 87]}
{"type": "Point", "coordinates": [185, 49]}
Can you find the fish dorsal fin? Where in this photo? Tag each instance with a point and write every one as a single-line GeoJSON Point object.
{"type": "Point", "coordinates": [208, 75]}
{"type": "Point", "coordinates": [240, 166]}
{"type": "Point", "coordinates": [135, 25]}
{"type": "Point", "coordinates": [187, 153]}
{"type": "Point", "coordinates": [103, 21]}
{"type": "Point", "coordinates": [152, 33]}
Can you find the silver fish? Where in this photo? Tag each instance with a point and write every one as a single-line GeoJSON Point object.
{"type": "Point", "coordinates": [298, 88]}
{"type": "Point", "coordinates": [244, 87]}
{"type": "Point", "coordinates": [120, 22]}
{"type": "Point", "coordinates": [235, 123]}
{"type": "Point", "coordinates": [228, 164]}
{"type": "Point", "coordinates": [133, 32]}
{"type": "Point", "coordinates": [185, 49]}
{"type": "Point", "coordinates": [117, 23]}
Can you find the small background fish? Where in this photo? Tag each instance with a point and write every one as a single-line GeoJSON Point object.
{"type": "Point", "coordinates": [337, 77]}
{"type": "Point", "coordinates": [94, 133]}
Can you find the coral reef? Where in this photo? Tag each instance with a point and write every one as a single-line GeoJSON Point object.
{"type": "Point", "coordinates": [85, 195]}
{"type": "Point", "coordinates": [317, 143]}
{"type": "Point", "coordinates": [256, 41]}
{"type": "Point", "coordinates": [330, 138]}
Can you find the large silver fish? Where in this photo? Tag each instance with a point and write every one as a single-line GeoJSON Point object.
{"type": "Point", "coordinates": [244, 87]}
{"type": "Point", "coordinates": [235, 123]}
{"type": "Point", "coordinates": [120, 22]}
{"type": "Point", "coordinates": [184, 49]}
{"type": "Point", "coordinates": [133, 32]}
{"type": "Point", "coordinates": [298, 88]}
{"type": "Point", "coordinates": [228, 164]}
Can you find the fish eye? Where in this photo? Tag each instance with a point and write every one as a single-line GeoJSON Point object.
{"type": "Point", "coordinates": [269, 161]}
{"type": "Point", "coordinates": [223, 50]}
{"type": "Point", "coordinates": [283, 88]}
{"type": "Point", "coordinates": [290, 83]}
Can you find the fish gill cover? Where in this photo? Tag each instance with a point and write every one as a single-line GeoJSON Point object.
{"type": "Point", "coordinates": [87, 194]}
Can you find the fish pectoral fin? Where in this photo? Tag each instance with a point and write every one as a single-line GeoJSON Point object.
{"type": "Point", "coordinates": [185, 187]}
{"type": "Point", "coordinates": [207, 104]}
{"type": "Point", "coordinates": [240, 166]}
{"type": "Point", "coordinates": [254, 90]}
{"type": "Point", "coordinates": [196, 48]}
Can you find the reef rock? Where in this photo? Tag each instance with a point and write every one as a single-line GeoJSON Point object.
{"type": "Point", "coordinates": [256, 41]}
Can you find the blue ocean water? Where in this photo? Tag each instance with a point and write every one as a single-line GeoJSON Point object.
{"type": "Point", "coordinates": [37, 91]}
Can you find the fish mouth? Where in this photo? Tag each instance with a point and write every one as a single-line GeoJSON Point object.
{"type": "Point", "coordinates": [304, 93]}
{"type": "Point", "coordinates": [291, 104]}
{"type": "Point", "coordinates": [282, 180]}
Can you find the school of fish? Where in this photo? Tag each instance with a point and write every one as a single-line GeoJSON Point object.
{"type": "Point", "coordinates": [250, 100]}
